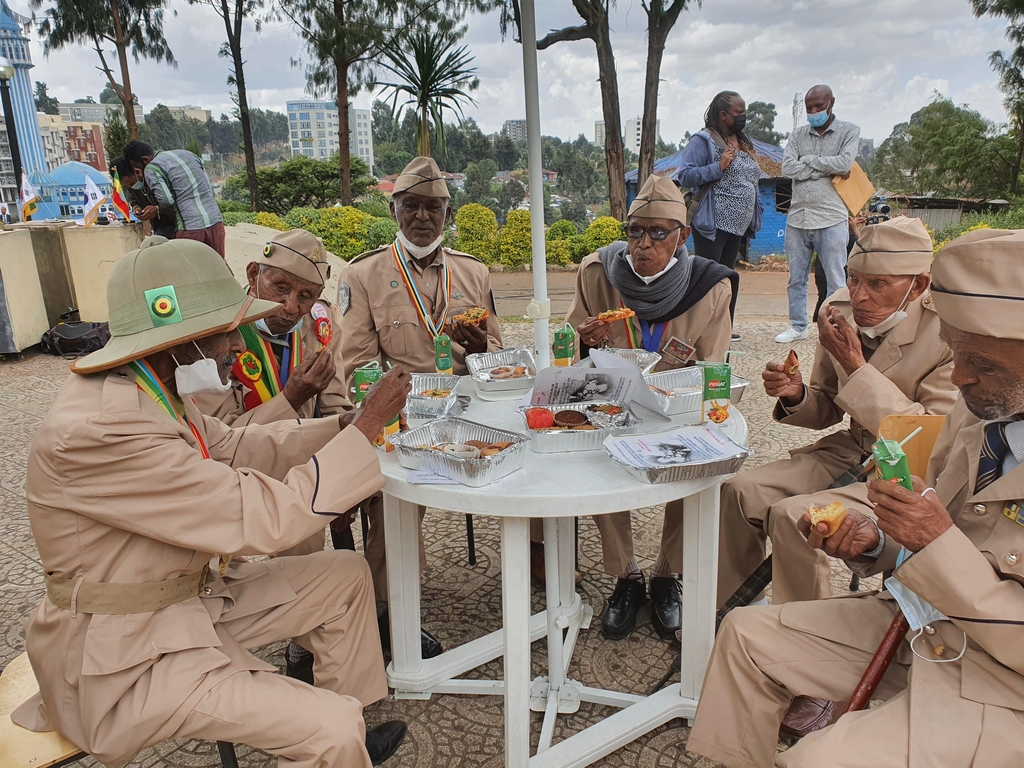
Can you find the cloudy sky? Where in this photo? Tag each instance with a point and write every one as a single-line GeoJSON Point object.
{"type": "Point", "coordinates": [883, 58]}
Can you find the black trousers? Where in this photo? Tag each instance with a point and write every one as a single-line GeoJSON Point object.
{"type": "Point", "coordinates": [724, 248]}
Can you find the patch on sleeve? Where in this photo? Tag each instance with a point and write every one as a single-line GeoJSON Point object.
{"type": "Point", "coordinates": [344, 297]}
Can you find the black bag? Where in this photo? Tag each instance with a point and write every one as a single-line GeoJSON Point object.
{"type": "Point", "coordinates": [73, 338]}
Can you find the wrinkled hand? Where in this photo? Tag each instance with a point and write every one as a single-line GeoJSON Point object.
{"type": "Point", "coordinates": [383, 402]}
{"type": "Point", "coordinates": [843, 176]}
{"type": "Point", "coordinates": [727, 157]}
{"type": "Point", "coordinates": [856, 535]}
{"type": "Point", "coordinates": [840, 338]}
{"type": "Point", "coordinates": [148, 213]}
{"type": "Point", "coordinates": [310, 378]}
{"type": "Point", "coordinates": [473, 338]}
{"type": "Point", "coordinates": [593, 331]}
{"type": "Point", "coordinates": [787, 388]}
{"type": "Point", "coordinates": [915, 521]}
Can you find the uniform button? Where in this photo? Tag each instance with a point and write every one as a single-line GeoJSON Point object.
{"type": "Point", "coordinates": [207, 591]}
{"type": "Point", "coordinates": [929, 629]}
{"type": "Point", "coordinates": [1011, 558]}
{"type": "Point", "coordinates": [395, 322]}
{"type": "Point", "coordinates": [979, 509]}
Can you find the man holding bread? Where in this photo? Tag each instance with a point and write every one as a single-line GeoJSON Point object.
{"type": "Point", "coordinates": [954, 694]}
{"type": "Point", "coordinates": [878, 353]}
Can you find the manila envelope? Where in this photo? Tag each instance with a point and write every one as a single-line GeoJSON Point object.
{"type": "Point", "coordinates": [855, 190]}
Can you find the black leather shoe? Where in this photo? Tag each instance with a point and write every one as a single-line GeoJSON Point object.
{"type": "Point", "coordinates": [302, 669]}
{"type": "Point", "coordinates": [619, 617]}
{"type": "Point", "coordinates": [666, 609]}
{"type": "Point", "coordinates": [383, 740]}
{"type": "Point", "coordinates": [430, 646]}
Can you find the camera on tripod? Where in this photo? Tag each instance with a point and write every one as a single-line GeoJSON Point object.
{"type": "Point", "coordinates": [878, 211]}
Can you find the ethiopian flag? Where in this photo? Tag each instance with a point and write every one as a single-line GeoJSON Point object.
{"type": "Point", "coordinates": [29, 198]}
{"type": "Point", "coordinates": [118, 197]}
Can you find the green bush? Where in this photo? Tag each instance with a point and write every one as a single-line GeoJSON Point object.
{"type": "Point", "coordinates": [478, 232]}
{"type": "Point", "coordinates": [271, 220]}
{"type": "Point", "coordinates": [561, 230]}
{"type": "Point", "coordinates": [299, 218]}
{"type": "Point", "coordinates": [558, 252]}
{"type": "Point", "coordinates": [376, 204]}
{"type": "Point", "coordinates": [238, 217]}
{"type": "Point", "coordinates": [343, 230]}
{"type": "Point", "coordinates": [233, 206]}
{"type": "Point", "coordinates": [603, 231]}
{"type": "Point", "coordinates": [380, 232]}
{"type": "Point", "coordinates": [1011, 218]}
{"type": "Point", "coordinates": [514, 244]}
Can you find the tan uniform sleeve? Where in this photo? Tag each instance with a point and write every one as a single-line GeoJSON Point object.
{"type": "Point", "coordinates": [819, 409]}
{"type": "Point", "coordinates": [334, 399]}
{"type": "Point", "coordinates": [579, 309]}
{"type": "Point", "coordinates": [231, 409]}
{"type": "Point", "coordinates": [493, 326]}
{"type": "Point", "coordinates": [109, 464]}
{"type": "Point", "coordinates": [359, 342]}
{"type": "Point", "coordinates": [717, 336]}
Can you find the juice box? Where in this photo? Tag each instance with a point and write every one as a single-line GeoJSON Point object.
{"type": "Point", "coordinates": [564, 348]}
{"type": "Point", "coordinates": [891, 463]}
{"type": "Point", "coordinates": [364, 378]}
{"type": "Point", "coordinates": [717, 392]}
{"type": "Point", "coordinates": [443, 353]}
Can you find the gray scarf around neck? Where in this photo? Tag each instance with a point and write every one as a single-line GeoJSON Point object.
{"type": "Point", "coordinates": [653, 301]}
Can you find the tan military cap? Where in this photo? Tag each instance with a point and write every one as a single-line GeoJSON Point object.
{"type": "Point", "coordinates": [900, 246]}
{"type": "Point", "coordinates": [299, 252]}
{"type": "Point", "coordinates": [659, 198]}
{"type": "Point", "coordinates": [166, 293]}
{"type": "Point", "coordinates": [422, 177]}
{"type": "Point", "coordinates": [978, 283]}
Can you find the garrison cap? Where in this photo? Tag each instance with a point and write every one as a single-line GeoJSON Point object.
{"type": "Point", "coordinates": [900, 246]}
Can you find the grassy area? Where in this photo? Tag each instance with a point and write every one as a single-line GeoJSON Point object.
{"type": "Point", "coordinates": [1011, 218]}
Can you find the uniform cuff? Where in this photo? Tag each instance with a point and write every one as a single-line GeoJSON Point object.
{"type": "Point", "coordinates": [348, 471]}
{"type": "Point", "coordinates": [782, 411]}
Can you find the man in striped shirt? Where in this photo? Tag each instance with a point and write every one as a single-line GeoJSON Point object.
{"type": "Point", "coordinates": [180, 185]}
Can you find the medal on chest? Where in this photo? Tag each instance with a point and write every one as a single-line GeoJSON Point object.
{"type": "Point", "coordinates": [1013, 510]}
{"type": "Point", "coordinates": [322, 324]}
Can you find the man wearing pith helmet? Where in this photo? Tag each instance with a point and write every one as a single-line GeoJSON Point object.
{"type": "Point", "coordinates": [291, 367]}
{"type": "Point", "coordinates": [954, 694]}
{"type": "Point", "coordinates": [138, 505]}
{"type": "Point", "coordinates": [396, 300]}
{"type": "Point", "coordinates": [683, 311]}
{"type": "Point", "coordinates": [879, 353]}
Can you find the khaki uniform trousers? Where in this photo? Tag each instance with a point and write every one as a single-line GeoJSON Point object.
{"type": "Point", "coordinates": [758, 504]}
{"type": "Point", "coordinates": [759, 664]}
{"type": "Point", "coordinates": [333, 616]}
{"type": "Point", "coordinates": [616, 531]}
{"type": "Point", "coordinates": [374, 547]}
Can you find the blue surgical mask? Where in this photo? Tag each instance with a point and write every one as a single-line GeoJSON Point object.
{"type": "Point", "coordinates": [137, 185]}
{"type": "Point", "coordinates": [919, 613]}
{"type": "Point", "coordinates": [818, 119]}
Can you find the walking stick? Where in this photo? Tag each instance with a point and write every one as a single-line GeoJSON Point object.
{"type": "Point", "coordinates": [879, 663]}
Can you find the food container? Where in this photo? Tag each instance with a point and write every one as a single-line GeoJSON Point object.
{"type": "Point", "coordinates": [419, 407]}
{"type": "Point", "coordinates": [565, 440]}
{"type": "Point", "coordinates": [641, 358]}
{"type": "Point", "coordinates": [481, 364]}
{"type": "Point", "coordinates": [739, 386]}
{"type": "Point", "coordinates": [677, 472]}
{"type": "Point", "coordinates": [681, 378]}
{"type": "Point", "coordinates": [472, 472]}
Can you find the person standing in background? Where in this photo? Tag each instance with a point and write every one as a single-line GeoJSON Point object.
{"type": "Point", "coordinates": [142, 200]}
{"type": "Point", "coordinates": [818, 219]}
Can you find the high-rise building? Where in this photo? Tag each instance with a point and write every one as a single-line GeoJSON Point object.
{"type": "Point", "coordinates": [85, 145]}
{"type": "Point", "coordinates": [14, 46]}
{"type": "Point", "coordinates": [189, 111]}
{"type": "Point", "coordinates": [599, 133]}
{"type": "Point", "coordinates": [632, 138]}
{"type": "Point", "coordinates": [92, 112]}
{"type": "Point", "coordinates": [8, 184]}
{"type": "Point", "coordinates": [313, 130]}
{"type": "Point", "coordinates": [515, 130]}
{"type": "Point", "coordinates": [55, 139]}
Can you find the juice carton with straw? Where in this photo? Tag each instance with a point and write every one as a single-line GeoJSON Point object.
{"type": "Point", "coordinates": [364, 378]}
{"type": "Point", "coordinates": [891, 462]}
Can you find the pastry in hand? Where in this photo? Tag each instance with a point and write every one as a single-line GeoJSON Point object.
{"type": "Point", "coordinates": [792, 364]}
{"type": "Point", "coordinates": [623, 313]}
{"type": "Point", "coordinates": [474, 316]}
{"type": "Point", "coordinates": [831, 514]}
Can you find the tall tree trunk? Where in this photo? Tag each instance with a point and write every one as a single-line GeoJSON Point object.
{"type": "Point", "coordinates": [424, 142]}
{"type": "Point", "coordinates": [344, 129]}
{"type": "Point", "coordinates": [1015, 169]}
{"type": "Point", "coordinates": [233, 27]}
{"type": "Point", "coordinates": [659, 23]}
{"type": "Point", "coordinates": [127, 98]}
{"type": "Point", "coordinates": [614, 156]}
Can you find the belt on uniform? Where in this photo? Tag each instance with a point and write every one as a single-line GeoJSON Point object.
{"type": "Point", "coordinates": [80, 596]}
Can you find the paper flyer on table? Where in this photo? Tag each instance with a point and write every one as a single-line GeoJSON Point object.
{"type": "Point", "coordinates": [688, 445]}
{"type": "Point", "coordinates": [620, 381]}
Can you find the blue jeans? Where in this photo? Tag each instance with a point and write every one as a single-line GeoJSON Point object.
{"type": "Point", "coordinates": [830, 245]}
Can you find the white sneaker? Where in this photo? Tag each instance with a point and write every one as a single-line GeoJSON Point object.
{"type": "Point", "coordinates": [790, 335]}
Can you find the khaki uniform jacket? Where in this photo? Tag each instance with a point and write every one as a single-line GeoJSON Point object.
{"type": "Point", "coordinates": [118, 491]}
{"type": "Point", "coordinates": [909, 373]}
{"type": "Point", "coordinates": [333, 400]}
{"type": "Point", "coordinates": [707, 325]}
{"type": "Point", "coordinates": [381, 322]}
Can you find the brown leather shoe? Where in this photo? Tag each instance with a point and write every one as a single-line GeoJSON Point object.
{"type": "Point", "coordinates": [806, 715]}
{"type": "Point", "coordinates": [537, 570]}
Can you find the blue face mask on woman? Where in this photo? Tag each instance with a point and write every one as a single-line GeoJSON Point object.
{"type": "Point", "coordinates": [818, 119]}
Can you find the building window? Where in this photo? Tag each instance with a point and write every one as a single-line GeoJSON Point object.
{"type": "Point", "coordinates": [320, 134]}
{"type": "Point", "coordinates": [292, 116]}
{"type": "Point", "coordinates": [308, 152]}
{"type": "Point", "coordinates": [323, 153]}
{"type": "Point", "coordinates": [319, 115]}
{"type": "Point", "coordinates": [303, 115]}
{"type": "Point", "coordinates": [322, 143]}
{"type": "Point", "coordinates": [295, 134]}
{"type": "Point", "coordinates": [295, 144]}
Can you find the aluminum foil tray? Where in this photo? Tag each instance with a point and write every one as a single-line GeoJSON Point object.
{"type": "Point", "coordinates": [472, 472]}
{"type": "Point", "coordinates": [680, 472]}
{"type": "Point", "coordinates": [481, 364]}
{"type": "Point", "coordinates": [419, 407]}
{"type": "Point", "coordinates": [689, 378]}
{"type": "Point", "coordinates": [567, 440]}
{"type": "Point", "coordinates": [739, 386]}
{"type": "Point", "coordinates": [641, 358]}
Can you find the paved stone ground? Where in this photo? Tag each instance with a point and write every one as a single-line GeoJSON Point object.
{"type": "Point", "coordinates": [460, 602]}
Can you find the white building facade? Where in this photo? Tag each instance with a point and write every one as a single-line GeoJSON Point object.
{"type": "Point", "coordinates": [632, 138]}
{"type": "Point", "coordinates": [55, 139]}
{"type": "Point", "coordinates": [313, 130]}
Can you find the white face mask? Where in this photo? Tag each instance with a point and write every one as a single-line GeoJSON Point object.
{"type": "Point", "coordinates": [419, 251]}
{"type": "Point", "coordinates": [890, 322]}
{"type": "Point", "coordinates": [919, 613]}
{"type": "Point", "coordinates": [200, 376]}
{"type": "Point", "coordinates": [652, 278]}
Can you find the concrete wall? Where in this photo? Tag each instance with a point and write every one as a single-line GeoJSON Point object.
{"type": "Point", "coordinates": [91, 255]}
{"type": "Point", "coordinates": [22, 311]}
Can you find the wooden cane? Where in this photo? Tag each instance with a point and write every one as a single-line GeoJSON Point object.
{"type": "Point", "coordinates": [879, 663]}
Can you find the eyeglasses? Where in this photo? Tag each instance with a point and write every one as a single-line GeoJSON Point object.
{"type": "Point", "coordinates": [433, 208]}
{"type": "Point", "coordinates": [657, 234]}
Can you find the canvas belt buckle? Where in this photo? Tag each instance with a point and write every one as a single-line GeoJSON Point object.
{"type": "Point", "coordinates": [107, 598]}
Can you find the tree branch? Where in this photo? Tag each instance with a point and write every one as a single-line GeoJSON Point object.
{"type": "Point", "coordinates": [569, 34]}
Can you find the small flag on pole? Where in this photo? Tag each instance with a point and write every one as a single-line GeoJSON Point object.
{"type": "Point", "coordinates": [29, 198]}
{"type": "Point", "coordinates": [118, 197]}
{"type": "Point", "coordinates": [92, 199]}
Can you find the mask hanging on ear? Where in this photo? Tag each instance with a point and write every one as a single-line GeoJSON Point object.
{"type": "Point", "coordinates": [200, 376]}
{"type": "Point", "coordinates": [891, 321]}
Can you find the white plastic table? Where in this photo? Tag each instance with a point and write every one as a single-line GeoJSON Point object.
{"type": "Point", "coordinates": [557, 488]}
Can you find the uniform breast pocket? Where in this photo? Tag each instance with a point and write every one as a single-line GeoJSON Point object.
{"type": "Point", "coordinates": [397, 327]}
{"type": "Point", "coordinates": [1004, 545]}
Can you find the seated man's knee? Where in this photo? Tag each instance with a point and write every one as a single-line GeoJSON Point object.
{"type": "Point", "coordinates": [341, 735]}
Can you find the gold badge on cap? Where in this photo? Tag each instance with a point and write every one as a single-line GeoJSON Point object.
{"type": "Point", "coordinates": [163, 306]}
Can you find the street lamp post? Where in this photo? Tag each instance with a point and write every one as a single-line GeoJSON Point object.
{"type": "Point", "coordinates": [6, 73]}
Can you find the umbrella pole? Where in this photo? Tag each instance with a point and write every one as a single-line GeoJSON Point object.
{"type": "Point", "coordinates": [539, 310]}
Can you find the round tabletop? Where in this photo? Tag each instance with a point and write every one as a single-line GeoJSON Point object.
{"type": "Point", "coordinates": [549, 484]}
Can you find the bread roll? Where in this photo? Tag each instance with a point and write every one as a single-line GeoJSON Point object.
{"type": "Point", "coordinates": [832, 515]}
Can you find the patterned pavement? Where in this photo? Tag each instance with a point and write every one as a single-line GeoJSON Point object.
{"type": "Point", "coordinates": [460, 602]}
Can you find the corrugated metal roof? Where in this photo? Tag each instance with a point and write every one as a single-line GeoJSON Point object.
{"type": "Point", "coordinates": [769, 157]}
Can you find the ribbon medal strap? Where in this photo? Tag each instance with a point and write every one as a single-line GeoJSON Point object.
{"type": "Point", "coordinates": [257, 367]}
{"type": "Point", "coordinates": [147, 380]}
{"type": "Point", "coordinates": [634, 340]}
{"type": "Point", "coordinates": [434, 329]}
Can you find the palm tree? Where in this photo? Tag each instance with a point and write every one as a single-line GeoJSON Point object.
{"type": "Point", "coordinates": [434, 76]}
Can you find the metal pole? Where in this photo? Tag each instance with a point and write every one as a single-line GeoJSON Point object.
{"type": "Point", "coordinates": [12, 138]}
{"type": "Point", "coordinates": [539, 309]}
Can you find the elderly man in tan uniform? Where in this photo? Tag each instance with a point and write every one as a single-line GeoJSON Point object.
{"type": "Point", "coordinates": [879, 353]}
{"type": "Point", "coordinates": [393, 303]}
{"type": "Point", "coordinates": [681, 302]}
{"type": "Point", "coordinates": [955, 692]}
{"type": "Point", "coordinates": [132, 492]}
